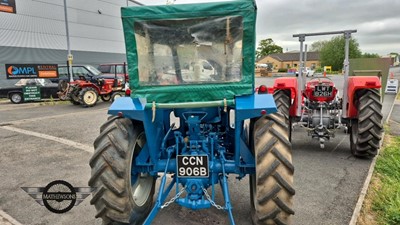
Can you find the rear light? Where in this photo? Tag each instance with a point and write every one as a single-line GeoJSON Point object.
{"type": "Point", "coordinates": [370, 83]}
{"type": "Point", "coordinates": [280, 85]}
{"type": "Point", "coordinates": [262, 89]}
{"type": "Point", "coordinates": [128, 92]}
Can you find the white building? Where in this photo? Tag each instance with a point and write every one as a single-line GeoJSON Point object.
{"type": "Point", "coordinates": [36, 33]}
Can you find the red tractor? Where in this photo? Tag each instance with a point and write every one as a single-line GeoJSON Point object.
{"type": "Point", "coordinates": [317, 106]}
{"type": "Point", "coordinates": [86, 92]}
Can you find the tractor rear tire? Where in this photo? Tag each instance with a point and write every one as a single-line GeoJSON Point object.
{"type": "Point", "coordinates": [366, 130]}
{"type": "Point", "coordinates": [88, 97]}
{"type": "Point", "coordinates": [271, 187]}
{"type": "Point", "coordinates": [121, 197]}
{"type": "Point", "coordinates": [62, 85]}
{"type": "Point", "coordinates": [283, 102]}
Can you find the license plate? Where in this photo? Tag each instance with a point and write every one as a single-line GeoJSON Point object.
{"type": "Point", "coordinates": [323, 91]}
{"type": "Point", "coordinates": [192, 166]}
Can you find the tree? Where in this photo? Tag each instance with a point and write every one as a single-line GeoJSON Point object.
{"type": "Point", "coordinates": [332, 53]}
{"type": "Point", "coordinates": [370, 55]}
{"type": "Point", "coordinates": [317, 46]}
{"type": "Point", "coordinates": [267, 47]}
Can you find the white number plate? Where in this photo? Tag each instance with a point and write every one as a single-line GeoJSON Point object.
{"type": "Point", "coordinates": [192, 166]}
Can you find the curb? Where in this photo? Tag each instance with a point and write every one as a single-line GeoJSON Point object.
{"type": "Point", "coordinates": [364, 190]}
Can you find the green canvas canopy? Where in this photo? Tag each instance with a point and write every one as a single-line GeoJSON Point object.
{"type": "Point", "coordinates": [190, 52]}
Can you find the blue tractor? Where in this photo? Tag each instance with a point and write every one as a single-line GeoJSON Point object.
{"type": "Point", "coordinates": [192, 118]}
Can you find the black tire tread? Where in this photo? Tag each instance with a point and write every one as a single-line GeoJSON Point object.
{"type": "Point", "coordinates": [274, 169]}
{"type": "Point", "coordinates": [283, 102]}
{"type": "Point", "coordinates": [111, 173]}
{"type": "Point", "coordinates": [73, 94]}
{"type": "Point", "coordinates": [106, 99]}
{"type": "Point", "coordinates": [369, 132]}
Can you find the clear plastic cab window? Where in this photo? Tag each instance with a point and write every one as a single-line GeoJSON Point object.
{"type": "Point", "coordinates": [189, 51]}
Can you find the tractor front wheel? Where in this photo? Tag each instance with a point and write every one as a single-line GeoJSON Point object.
{"type": "Point", "coordinates": [106, 97]}
{"type": "Point", "coordinates": [366, 130]}
{"type": "Point", "coordinates": [88, 97]}
{"type": "Point", "coordinates": [271, 187]}
{"type": "Point", "coordinates": [122, 195]}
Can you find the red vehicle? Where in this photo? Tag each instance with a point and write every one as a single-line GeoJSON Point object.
{"type": "Point", "coordinates": [317, 106]}
{"type": "Point", "coordinates": [118, 69]}
{"type": "Point", "coordinates": [84, 92]}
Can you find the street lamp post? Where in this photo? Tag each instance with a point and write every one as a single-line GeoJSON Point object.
{"type": "Point", "coordinates": [70, 57]}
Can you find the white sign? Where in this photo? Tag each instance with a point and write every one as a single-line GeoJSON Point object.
{"type": "Point", "coordinates": [392, 86]}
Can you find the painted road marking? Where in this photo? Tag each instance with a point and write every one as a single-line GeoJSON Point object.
{"type": "Point", "coordinates": [17, 108]}
{"type": "Point", "coordinates": [15, 122]}
{"type": "Point", "coordinates": [7, 218]}
{"type": "Point", "coordinates": [345, 137]}
{"type": "Point", "coordinates": [74, 144]}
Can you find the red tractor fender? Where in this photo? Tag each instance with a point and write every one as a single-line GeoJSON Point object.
{"type": "Point", "coordinates": [84, 84]}
{"type": "Point", "coordinates": [355, 84]}
{"type": "Point", "coordinates": [108, 86]}
{"type": "Point", "coordinates": [288, 83]}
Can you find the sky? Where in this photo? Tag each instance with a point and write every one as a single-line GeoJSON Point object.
{"type": "Point", "coordinates": [377, 21]}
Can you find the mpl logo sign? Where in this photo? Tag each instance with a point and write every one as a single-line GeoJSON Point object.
{"type": "Point", "coordinates": [18, 71]}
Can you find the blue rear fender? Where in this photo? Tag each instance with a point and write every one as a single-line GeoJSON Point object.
{"type": "Point", "coordinates": [132, 108]}
{"type": "Point", "coordinates": [248, 107]}
{"type": "Point", "coordinates": [135, 109]}
{"type": "Point", "coordinates": [256, 105]}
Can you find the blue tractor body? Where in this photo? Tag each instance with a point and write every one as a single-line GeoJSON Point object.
{"type": "Point", "coordinates": [226, 150]}
{"type": "Point", "coordinates": [193, 114]}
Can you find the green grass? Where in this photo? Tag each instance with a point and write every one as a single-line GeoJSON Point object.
{"type": "Point", "coordinates": [386, 202]}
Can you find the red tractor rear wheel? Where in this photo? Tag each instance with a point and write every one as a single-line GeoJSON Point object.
{"type": "Point", "coordinates": [283, 102]}
{"type": "Point", "coordinates": [366, 130]}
